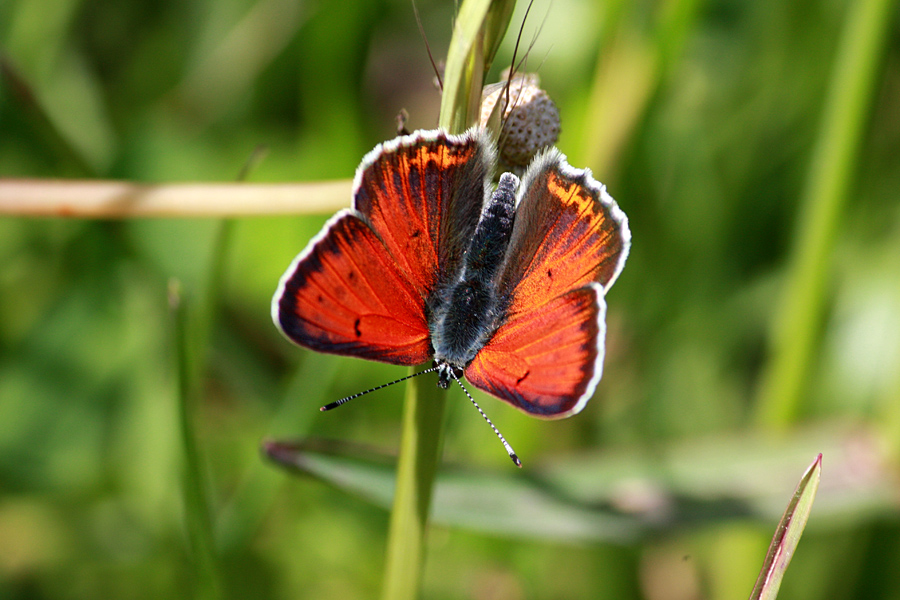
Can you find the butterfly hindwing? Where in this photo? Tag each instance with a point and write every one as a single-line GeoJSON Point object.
{"type": "Point", "coordinates": [568, 244]}
{"type": "Point", "coordinates": [345, 295]}
{"type": "Point", "coordinates": [546, 363]}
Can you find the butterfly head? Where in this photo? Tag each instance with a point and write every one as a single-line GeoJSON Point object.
{"type": "Point", "coordinates": [446, 373]}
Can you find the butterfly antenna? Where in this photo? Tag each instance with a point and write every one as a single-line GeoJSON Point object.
{"type": "Point", "coordinates": [509, 450]}
{"type": "Point", "coordinates": [337, 403]}
{"type": "Point", "coordinates": [437, 73]}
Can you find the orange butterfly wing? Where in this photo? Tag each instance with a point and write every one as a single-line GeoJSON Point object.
{"type": "Point", "coordinates": [423, 195]}
{"type": "Point", "coordinates": [568, 245]}
{"type": "Point", "coordinates": [361, 287]}
{"type": "Point", "coordinates": [546, 362]}
{"type": "Point", "coordinates": [345, 295]}
{"type": "Point", "coordinates": [568, 232]}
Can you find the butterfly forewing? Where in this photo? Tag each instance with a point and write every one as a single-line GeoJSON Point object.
{"type": "Point", "coordinates": [568, 232]}
{"type": "Point", "coordinates": [423, 195]}
{"type": "Point", "coordinates": [362, 286]}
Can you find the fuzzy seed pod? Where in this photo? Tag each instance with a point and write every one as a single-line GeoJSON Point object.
{"type": "Point", "coordinates": [530, 118]}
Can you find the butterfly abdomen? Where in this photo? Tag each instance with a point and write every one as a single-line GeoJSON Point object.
{"type": "Point", "coordinates": [467, 311]}
{"type": "Point", "coordinates": [484, 256]}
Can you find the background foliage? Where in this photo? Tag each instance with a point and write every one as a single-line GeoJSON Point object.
{"type": "Point", "coordinates": [703, 118]}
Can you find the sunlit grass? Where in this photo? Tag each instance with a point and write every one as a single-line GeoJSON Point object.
{"type": "Point", "coordinates": [797, 323]}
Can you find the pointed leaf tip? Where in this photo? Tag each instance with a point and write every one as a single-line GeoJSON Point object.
{"type": "Point", "coordinates": [787, 534]}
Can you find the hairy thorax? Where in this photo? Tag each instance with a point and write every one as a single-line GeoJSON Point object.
{"type": "Point", "coordinates": [468, 311]}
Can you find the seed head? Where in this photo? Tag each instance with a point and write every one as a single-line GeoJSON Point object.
{"type": "Point", "coordinates": [530, 118]}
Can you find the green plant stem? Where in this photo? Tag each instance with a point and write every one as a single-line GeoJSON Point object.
{"type": "Point", "coordinates": [797, 322]}
{"type": "Point", "coordinates": [423, 410]}
{"type": "Point", "coordinates": [420, 447]}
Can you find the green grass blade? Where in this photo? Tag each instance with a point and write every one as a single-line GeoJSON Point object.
{"type": "Point", "coordinates": [797, 323]}
{"type": "Point", "coordinates": [632, 65]}
{"type": "Point", "coordinates": [195, 490]}
{"type": "Point", "coordinates": [193, 330]}
{"type": "Point", "coordinates": [420, 447]}
{"type": "Point", "coordinates": [787, 535]}
{"type": "Point", "coordinates": [72, 162]}
{"type": "Point", "coordinates": [496, 23]}
{"type": "Point", "coordinates": [465, 67]}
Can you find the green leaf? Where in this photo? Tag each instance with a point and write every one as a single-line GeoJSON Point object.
{"type": "Point", "coordinates": [503, 503]}
{"type": "Point", "coordinates": [787, 535]}
{"type": "Point", "coordinates": [465, 67]}
{"type": "Point", "coordinates": [615, 498]}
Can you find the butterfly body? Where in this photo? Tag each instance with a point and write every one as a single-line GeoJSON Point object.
{"type": "Point", "coordinates": [467, 312]}
{"type": "Point", "coordinates": [506, 287]}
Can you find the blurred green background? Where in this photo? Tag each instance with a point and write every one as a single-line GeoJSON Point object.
{"type": "Point", "coordinates": [705, 119]}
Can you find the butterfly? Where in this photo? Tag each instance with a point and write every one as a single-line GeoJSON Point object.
{"type": "Point", "coordinates": [505, 285]}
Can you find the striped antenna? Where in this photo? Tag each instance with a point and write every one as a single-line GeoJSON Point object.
{"type": "Point", "coordinates": [509, 450]}
{"type": "Point", "coordinates": [337, 403]}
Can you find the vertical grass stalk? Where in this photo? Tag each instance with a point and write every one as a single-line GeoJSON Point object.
{"type": "Point", "coordinates": [798, 320]}
{"type": "Point", "coordinates": [193, 327]}
{"type": "Point", "coordinates": [476, 34]}
{"type": "Point", "coordinates": [198, 519]}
